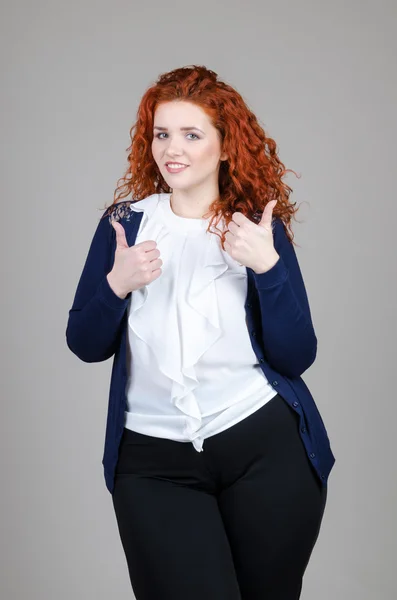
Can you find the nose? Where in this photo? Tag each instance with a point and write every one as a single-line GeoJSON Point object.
{"type": "Point", "coordinates": [174, 148]}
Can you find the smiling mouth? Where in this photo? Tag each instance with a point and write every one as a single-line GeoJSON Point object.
{"type": "Point", "coordinates": [175, 168]}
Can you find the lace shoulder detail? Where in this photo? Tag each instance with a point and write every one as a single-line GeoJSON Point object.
{"type": "Point", "coordinates": [120, 210]}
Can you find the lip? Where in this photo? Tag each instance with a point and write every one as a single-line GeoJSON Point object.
{"type": "Point", "coordinates": [175, 170]}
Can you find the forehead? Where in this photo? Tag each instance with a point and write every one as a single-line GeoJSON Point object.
{"type": "Point", "coordinates": [179, 113]}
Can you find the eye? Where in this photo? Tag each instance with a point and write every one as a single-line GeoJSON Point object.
{"type": "Point", "coordinates": [163, 133]}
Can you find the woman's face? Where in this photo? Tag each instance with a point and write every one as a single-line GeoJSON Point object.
{"type": "Point", "coordinates": [183, 134]}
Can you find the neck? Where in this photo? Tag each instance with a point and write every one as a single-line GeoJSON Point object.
{"type": "Point", "coordinates": [189, 207]}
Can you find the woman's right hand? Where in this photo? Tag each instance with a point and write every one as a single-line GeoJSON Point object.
{"type": "Point", "coordinates": [135, 266]}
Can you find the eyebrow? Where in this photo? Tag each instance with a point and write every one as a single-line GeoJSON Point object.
{"type": "Point", "coordinates": [182, 128]}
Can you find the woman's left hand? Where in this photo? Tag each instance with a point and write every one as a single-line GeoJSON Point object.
{"type": "Point", "coordinates": [251, 244]}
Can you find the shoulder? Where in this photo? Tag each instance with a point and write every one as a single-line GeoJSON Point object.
{"type": "Point", "coordinates": [118, 210]}
{"type": "Point", "coordinates": [126, 208]}
{"type": "Point", "coordinates": [282, 236]}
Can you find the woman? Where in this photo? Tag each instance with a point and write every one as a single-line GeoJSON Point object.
{"type": "Point", "coordinates": [215, 454]}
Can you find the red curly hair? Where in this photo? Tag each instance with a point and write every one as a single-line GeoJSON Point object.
{"type": "Point", "coordinates": [248, 180]}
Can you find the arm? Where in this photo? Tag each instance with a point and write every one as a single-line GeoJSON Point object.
{"type": "Point", "coordinates": [94, 321]}
{"type": "Point", "coordinates": [288, 336]}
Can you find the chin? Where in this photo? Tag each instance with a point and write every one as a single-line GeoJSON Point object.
{"type": "Point", "coordinates": [175, 185]}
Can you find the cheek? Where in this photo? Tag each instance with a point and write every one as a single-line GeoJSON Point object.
{"type": "Point", "coordinates": [208, 155]}
{"type": "Point", "coordinates": [155, 152]}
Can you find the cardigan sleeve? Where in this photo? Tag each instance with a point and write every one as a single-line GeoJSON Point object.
{"type": "Point", "coordinates": [94, 322]}
{"type": "Point", "coordinates": [288, 336]}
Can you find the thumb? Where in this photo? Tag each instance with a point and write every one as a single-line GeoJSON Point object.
{"type": "Point", "coordinates": [121, 240]}
{"type": "Point", "coordinates": [266, 219]}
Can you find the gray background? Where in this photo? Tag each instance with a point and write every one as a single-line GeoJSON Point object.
{"type": "Point", "coordinates": [322, 79]}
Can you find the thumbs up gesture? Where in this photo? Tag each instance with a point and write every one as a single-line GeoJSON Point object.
{"type": "Point", "coordinates": [135, 266]}
{"type": "Point", "coordinates": [252, 244]}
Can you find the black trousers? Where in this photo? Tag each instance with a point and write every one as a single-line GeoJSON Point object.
{"type": "Point", "coordinates": [237, 521]}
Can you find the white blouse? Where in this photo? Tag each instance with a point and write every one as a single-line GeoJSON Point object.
{"type": "Point", "coordinates": [192, 371]}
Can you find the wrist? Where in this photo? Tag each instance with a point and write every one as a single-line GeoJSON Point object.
{"type": "Point", "coordinates": [115, 287]}
{"type": "Point", "coordinates": [270, 263]}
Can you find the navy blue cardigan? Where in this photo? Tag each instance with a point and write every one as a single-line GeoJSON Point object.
{"type": "Point", "coordinates": [278, 318]}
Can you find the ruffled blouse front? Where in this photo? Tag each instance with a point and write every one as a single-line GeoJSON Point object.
{"type": "Point", "coordinates": [182, 302]}
{"type": "Point", "coordinates": [175, 320]}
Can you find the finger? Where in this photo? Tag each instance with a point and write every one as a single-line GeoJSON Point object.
{"type": "Point", "coordinates": [240, 219]}
{"type": "Point", "coordinates": [147, 245]}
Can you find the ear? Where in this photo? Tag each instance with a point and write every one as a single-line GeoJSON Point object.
{"type": "Point", "coordinates": [224, 156]}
